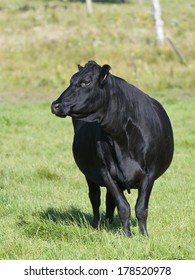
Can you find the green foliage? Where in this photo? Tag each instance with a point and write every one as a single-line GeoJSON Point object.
{"type": "Point", "coordinates": [45, 212]}
{"type": "Point", "coordinates": [41, 36]}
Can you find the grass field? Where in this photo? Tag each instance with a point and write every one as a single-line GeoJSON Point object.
{"type": "Point", "coordinates": [45, 212]}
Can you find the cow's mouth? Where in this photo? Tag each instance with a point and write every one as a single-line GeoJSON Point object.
{"type": "Point", "coordinates": [60, 116]}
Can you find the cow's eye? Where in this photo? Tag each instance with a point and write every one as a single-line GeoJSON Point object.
{"type": "Point", "coordinates": [85, 83]}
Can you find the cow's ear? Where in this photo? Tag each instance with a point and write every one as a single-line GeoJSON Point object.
{"type": "Point", "coordinates": [104, 73]}
{"type": "Point", "coordinates": [80, 67]}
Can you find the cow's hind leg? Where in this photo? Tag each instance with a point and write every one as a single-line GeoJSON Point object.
{"type": "Point", "coordinates": [124, 214]}
{"type": "Point", "coordinates": [121, 203]}
{"type": "Point", "coordinates": [110, 206]}
{"type": "Point", "coordinates": [141, 208]}
{"type": "Point", "coordinates": [94, 195]}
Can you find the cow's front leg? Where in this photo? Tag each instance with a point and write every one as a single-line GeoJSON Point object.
{"type": "Point", "coordinates": [141, 208]}
{"type": "Point", "coordinates": [114, 190]}
{"type": "Point", "coordinates": [94, 195]}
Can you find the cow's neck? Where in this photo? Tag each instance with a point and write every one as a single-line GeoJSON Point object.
{"type": "Point", "coordinates": [115, 115]}
{"type": "Point", "coordinates": [119, 117]}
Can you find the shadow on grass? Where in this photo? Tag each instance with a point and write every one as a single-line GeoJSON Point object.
{"type": "Point", "coordinates": [72, 215]}
{"type": "Point", "coordinates": [75, 216]}
{"type": "Point", "coordinates": [56, 224]}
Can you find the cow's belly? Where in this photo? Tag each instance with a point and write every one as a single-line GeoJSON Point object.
{"type": "Point", "coordinates": [89, 168]}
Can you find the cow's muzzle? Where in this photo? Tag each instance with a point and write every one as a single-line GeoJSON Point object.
{"type": "Point", "coordinates": [58, 110]}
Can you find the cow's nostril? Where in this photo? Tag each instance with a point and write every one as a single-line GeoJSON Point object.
{"type": "Point", "coordinates": [56, 108]}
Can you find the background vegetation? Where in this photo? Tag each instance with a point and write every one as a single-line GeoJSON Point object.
{"type": "Point", "coordinates": [45, 212]}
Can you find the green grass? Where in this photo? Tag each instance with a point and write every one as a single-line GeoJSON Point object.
{"type": "Point", "coordinates": [45, 212]}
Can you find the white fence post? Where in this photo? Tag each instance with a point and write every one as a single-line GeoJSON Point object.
{"type": "Point", "coordinates": [158, 22]}
{"type": "Point", "coordinates": [89, 6]}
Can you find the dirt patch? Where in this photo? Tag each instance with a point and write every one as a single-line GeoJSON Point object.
{"type": "Point", "coordinates": [39, 34]}
{"type": "Point", "coordinates": [24, 97]}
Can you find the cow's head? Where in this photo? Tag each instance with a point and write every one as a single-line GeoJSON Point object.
{"type": "Point", "coordinates": [84, 97]}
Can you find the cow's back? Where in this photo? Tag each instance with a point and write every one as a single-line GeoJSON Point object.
{"type": "Point", "coordinates": [154, 128]}
{"type": "Point", "coordinates": [166, 142]}
{"type": "Point", "coordinates": [155, 124]}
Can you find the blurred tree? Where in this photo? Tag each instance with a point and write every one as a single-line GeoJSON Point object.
{"type": "Point", "coordinates": [158, 22]}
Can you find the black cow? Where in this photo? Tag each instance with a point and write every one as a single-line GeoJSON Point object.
{"type": "Point", "coordinates": [123, 140]}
